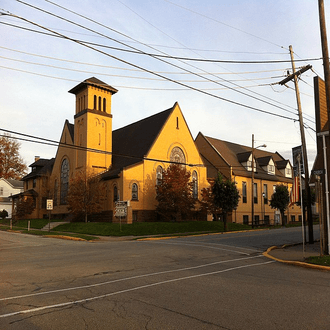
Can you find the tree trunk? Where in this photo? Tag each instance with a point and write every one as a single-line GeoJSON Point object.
{"type": "Point", "coordinates": [225, 221]}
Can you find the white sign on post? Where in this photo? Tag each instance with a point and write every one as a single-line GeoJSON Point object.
{"type": "Point", "coordinates": [49, 204]}
{"type": "Point", "coordinates": [121, 209]}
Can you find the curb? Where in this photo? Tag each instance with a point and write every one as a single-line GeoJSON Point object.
{"type": "Point", "coordinates": [295, 263]}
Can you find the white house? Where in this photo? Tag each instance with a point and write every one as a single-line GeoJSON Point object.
{"type": "Point", "coordinates": [9, 187]}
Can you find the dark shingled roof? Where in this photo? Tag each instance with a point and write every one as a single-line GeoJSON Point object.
{"type": "Point", "coordinates": [42, 166]}
{"type": "Point", "coordinates": [264, 161]}
{"type": "Point", "coordinates": [236, 154]}
{"type": "Point", "coordinates": [134, 141]}
{"type": "Point", "coordinates": [93, 82]}
{"type": "Point", "coordinates": [15, 183]}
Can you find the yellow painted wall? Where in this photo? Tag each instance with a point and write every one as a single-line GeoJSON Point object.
{"type": "Point", "coordinates": [144, 174]}
{"type": "Point", "coordinates": [260, 208]}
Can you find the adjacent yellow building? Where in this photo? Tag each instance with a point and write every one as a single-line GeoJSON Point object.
{"type": "Point", "coordinates": [234, 161]}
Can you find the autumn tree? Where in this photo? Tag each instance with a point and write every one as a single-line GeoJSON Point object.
{"type": "Point", "coordinates": [86, 194]}
{"type": "Point", "coordinates": [12, 165]}
{"type": "Point", "coordinates": [222, 197]}
{"type": "Point", "coordinates": [280, 200]}
{"type": "Point", "coordinates": [175, 193]}
{"type": "Point", "coordinates": [24, 207]}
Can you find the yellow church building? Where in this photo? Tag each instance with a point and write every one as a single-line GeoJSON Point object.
{"type": "Point", "coordinates": [129, 160]}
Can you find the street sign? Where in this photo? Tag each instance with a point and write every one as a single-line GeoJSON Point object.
{"type": "Point", "coordinates": [49, 204]}
{"type": "Point", "coordinates": [121, 209]}
{"type": "Point", "coordinates": [297, 158]}
{"type": "Point", "coordinates": [318, 172]}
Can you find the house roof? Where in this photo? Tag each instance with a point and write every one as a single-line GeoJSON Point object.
{"type": "Point", "coordinates": [93, 82]}
{"type": "Point", "coordinates": [134, 141]}
{"type": "Point", "coordinates": [236, 154]}
{"type": "Point", "coordinates": [42, 166]}
{"type": "Point", "coordinates": [18, 184]}
{"type": "Point", "coordinates": [264, 161]}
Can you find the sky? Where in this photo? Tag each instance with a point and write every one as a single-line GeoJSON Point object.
{"type": "Point", "coordinates": [221, 60]}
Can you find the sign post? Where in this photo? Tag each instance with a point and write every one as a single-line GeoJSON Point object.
{"type": "Point", "coordinates": [49, 208]}
{"type": "Point", "coordinates": [121, 210]}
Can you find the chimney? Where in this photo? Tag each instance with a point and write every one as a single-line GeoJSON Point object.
{"type": "Point", "coordinates": [36, 158]}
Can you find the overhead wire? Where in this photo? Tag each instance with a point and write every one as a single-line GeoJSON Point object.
{"type": "Point", "coordinates": [246, 88]}
{"type": "Point", "coordinates": [151, 72]}
{"type": "Point", "coordinates": [111, 29]}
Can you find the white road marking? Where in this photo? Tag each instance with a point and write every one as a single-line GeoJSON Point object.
{"type": "Point", "coordinates": [198, 245]}
{"type": "Point", "coordinates": [127, 278]}
{"type": "Point", "coordinates": [69, 303]}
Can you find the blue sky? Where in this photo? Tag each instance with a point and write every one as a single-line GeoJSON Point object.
{"type": "Point", "coordinates": [38, 70]}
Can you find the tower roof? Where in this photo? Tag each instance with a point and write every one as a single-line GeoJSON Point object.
{"type": "Point", "coordinates": [93, 82]}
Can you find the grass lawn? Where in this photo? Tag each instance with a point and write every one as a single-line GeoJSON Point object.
{"type": "Point", "coordinates": [147, 228]}
{"type": "Point", "coordinates": [323, 261]}
{"type": "Point", "coordinates": [34, 223]}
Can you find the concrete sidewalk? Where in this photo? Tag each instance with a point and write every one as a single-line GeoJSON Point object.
{"type": "Point", "coordinates": [296, 254]}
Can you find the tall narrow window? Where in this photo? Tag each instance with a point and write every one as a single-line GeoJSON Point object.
{"type": "Point", "coordinates": [265, 194]}
{"type": "Point", "coordinates": [95, 102]}
{"type": "Point", "coordinates": [115, 194]}
{"type": "Point", "coordinates": [177, 122]}
{"type": "Point", "coordinates": [195, 184]}
{"type": "Point", "coordinates": [244, 192]}
{"type": "Point", "coordinates": [255, 193]}
{"type": "Point", "coordinates": [55, 192]}
{"type": "Point", "coordinates": [104, 105]}
{"type": "Point", "coordinates": [159, 175]}
{"type": "Point", "coordinates": [64, 181]}
{"type": "Point", "coordinates": [100, 101]}
{"type": "Point", "coordinates": [135, 192]}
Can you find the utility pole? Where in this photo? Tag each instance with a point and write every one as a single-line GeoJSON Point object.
{"type": "Point", "coordinates": [252, 183]}
{"type": "Point", "coordinates": [303, 142]}
{"type": "Point", "coordinates": [326, 68]}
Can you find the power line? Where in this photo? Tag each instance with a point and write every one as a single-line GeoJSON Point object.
{"type": "Point", "coordinates": [111, 29]}
{"type": "Point", "coordinates": [188, 72]}
{"type": "Point", "coordinates": [151, 72]}
{"type": "Point", "coordinates": [128, 69]}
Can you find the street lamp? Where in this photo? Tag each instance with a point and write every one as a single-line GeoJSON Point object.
{"type": "Point", "coordinates": [252, 178]}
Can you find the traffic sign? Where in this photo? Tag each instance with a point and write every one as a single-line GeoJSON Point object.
{"type": "Point", "coordinates": [318, 172]}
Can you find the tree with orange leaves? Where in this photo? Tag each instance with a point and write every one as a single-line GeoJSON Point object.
{"type": "Point", "coordinates": [12, 165]}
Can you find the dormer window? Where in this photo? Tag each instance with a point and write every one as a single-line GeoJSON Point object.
{"type": "Point", "coordinates": [288, 172]}
{"type": "Point", "coordinates": [271, 169]}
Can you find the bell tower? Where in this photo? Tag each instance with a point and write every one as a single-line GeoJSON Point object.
{"type": "Point", "coordinates": [93, 125]}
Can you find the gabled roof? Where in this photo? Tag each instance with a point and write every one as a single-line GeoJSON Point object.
{"type": "Point", "coordinates": [93, 82]}
{"type": "Point", "coordinates": [244, 156]}
{"type": "Point", "coordinates": [281, 164]}
{"type": "Point", "coordinates": [264, 161]}
{"type": "Point", "coordinates": [14, 183]}
{"type": "Point", "coordinates": [42, 166]}
{"type": "Point", "coordinates": [134, 141]}
{"type": "Point", "coordinates": [236, 154]}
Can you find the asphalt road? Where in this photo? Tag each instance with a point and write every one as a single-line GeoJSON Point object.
{"type": "Point", "coordinates": [205, 282]}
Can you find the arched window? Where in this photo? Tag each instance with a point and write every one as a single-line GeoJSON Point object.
{"type": "Point", "coordinates": [104, 105]}
{"type": "Point", "coordinates": [55, 192]}
{"type": "Point", "coordinates": [195, 184]}
{"type": "Point", "coordinates": [135, 192]}
{"type": "Point", "coordinates": [65, 169]}
{"type": "Point", "coordinates": [159, 175]}
{"type": "Point", "coordinates": [100, 102]}
{"type": "Point", "coordinates": [115, 194]}
{"type": "Point", "coordinates": [177, 156]}
{"type": "Point", "coordinates": [95, 102]}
